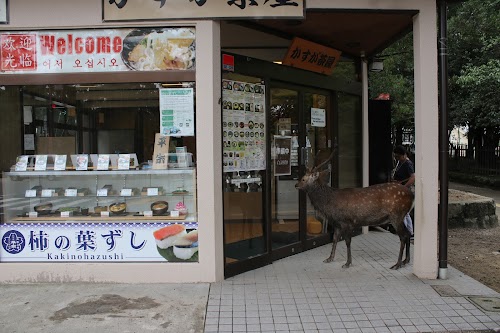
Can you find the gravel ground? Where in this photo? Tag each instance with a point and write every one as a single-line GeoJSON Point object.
{"type": "Point", "coordinates": [476, 252]}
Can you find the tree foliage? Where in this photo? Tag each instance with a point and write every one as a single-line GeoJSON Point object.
{"type": "Point", "coordinates": [473, 67]}
{"type": "Point", "coordinates": [474, 70]}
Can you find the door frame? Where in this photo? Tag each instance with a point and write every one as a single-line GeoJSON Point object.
{"type": "Point", "coordinates": [274, 75]}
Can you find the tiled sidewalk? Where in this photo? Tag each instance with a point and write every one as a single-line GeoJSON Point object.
{"type": "Point", "coordinates": [303, 294]}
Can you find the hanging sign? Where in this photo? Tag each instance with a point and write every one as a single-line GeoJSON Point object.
{"type": "Point", "coordinates": [310, 56]}
{"type": "Point", "coordinates": [282, 153]}
{"type": "Point", "coordinates": [125, 10]}
{"type": "Point", "coordinates": [99, 50]}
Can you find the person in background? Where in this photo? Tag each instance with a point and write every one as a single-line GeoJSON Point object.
{"type": "Point", "coordinates": [404, 173]}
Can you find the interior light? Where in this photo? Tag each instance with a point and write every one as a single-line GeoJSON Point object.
{"type": "Point", "coordinates": [172, 84]}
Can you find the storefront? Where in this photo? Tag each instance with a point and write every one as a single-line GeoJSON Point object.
{"type": "Point", "coordinates": [139, 147]}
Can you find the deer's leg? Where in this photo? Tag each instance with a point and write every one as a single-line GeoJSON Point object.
{"type": "Point", "coordinates": [400, 257]}
{"type": "Point", "coordinates": [407, 257]}
{"type": "Point", "coordinates": [348, 244]}
{"type": "Point", "coordinates": [336, 236]}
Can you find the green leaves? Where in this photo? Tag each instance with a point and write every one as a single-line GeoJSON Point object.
{"type": "Point", "coordinates": [473, 67]}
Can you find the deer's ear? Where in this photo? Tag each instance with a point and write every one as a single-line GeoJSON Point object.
{"type": "Point", "coordinates": [324, 176]}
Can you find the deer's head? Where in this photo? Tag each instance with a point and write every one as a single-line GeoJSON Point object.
{"type": "Point", "coordinates": [314, 176]}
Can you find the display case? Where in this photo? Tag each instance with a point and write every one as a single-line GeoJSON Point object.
{"type": "Point", "coordinates": [99, 196]}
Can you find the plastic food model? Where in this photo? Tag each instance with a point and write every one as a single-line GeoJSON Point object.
{"type": "Point", "coordinates": [181, 208]}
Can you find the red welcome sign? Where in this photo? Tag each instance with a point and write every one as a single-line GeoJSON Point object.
{"type": "Point", "coordinates": [18, 52]}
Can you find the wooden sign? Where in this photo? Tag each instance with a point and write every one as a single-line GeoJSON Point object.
{"type": "Point", "coordinates": [160, 154]}
{"type": "Point", "coordinates": [312, 57]}
{"type": "Point", "coordinates": [123, 10]}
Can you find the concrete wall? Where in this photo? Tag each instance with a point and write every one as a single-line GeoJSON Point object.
{"type": "Point", "coordinates": [36, 15]}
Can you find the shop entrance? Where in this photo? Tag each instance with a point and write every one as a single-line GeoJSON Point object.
{"type": "Point", "coordinates": [265, 217]}
{"type": "Point", "coordinates": [303, 116]}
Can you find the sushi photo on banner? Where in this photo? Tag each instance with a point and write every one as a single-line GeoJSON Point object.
{"type": "Point", "coordinates": [176, 243]}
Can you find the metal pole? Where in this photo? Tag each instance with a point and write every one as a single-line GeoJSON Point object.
{"type": "Point", "coordinates": [443, 141]}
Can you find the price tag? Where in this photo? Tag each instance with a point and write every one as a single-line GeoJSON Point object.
{"type": "Point", "coordinates": [70, 192]}
{"type": "Point", "coordinates": [65, 214]}
{"type": "Point", "coordinates": [105, 214]}
{"type": "Point", "coordinates": [30, 194]}
{"type": "Point", "coordinates": [33, 214]}
{"type": "Point", "coordinates": [152, 191]}
{"type": "Point", "coordinates": [47, 193]}
{"type": "Point", "coordinates": [102, 192]}
{"type": "Point", "coordinates": [148, 213]}
{"type": "Point", "coordinates": [174, 213]}
{"type": "Point", "coordinates": [126, 192]}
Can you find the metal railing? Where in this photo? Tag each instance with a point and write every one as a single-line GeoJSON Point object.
{"type": "Point", "coordinates": [482, 161]}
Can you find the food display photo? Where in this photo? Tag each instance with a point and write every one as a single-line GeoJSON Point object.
{"type": "Point", "coordinates": [160, 49]}
{"type": "Point", "coordinates": [175, 243]}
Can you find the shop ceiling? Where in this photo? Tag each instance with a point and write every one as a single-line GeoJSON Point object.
{"type": "Point", "coordinates": [352, 32]}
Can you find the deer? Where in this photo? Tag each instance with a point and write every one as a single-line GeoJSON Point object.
{"type": "Point", "coordinates": [351, 208]}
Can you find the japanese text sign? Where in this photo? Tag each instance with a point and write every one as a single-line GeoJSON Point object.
{"type": "Point", "coordinates": [310, 56]}
{"type": "Point", "coordinates": [123, 10]}
{"type": "Point", "coordinates": [160, 153]}
{"type": "Point", "coordinates": [282, 153]}
{"type": "Point", "coordinates": [89, 242]}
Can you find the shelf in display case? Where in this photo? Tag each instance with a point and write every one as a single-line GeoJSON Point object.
{"type": "Point", "coordinates": [24, 190]}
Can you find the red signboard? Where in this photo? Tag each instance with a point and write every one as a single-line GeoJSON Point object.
{"type": "Point", "coordinates": [228, 62]}
{"type": "Point", "coordinates": [18, 52]}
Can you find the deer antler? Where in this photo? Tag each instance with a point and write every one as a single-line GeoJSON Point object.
{"type": "Point", "coordinates": [325, 161]}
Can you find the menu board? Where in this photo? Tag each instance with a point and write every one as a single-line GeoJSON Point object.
{"type": "Point", "coordinates": [243, 126]}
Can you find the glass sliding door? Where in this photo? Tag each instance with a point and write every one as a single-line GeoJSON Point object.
{"type": "Point", "coordinates": [244, 138]}
{"type": "Point", "coordinates": [268, 144]}
{"type": "Point", "coordinates": [284, 125]}
{"type": "Point", "coordinates": [318, 148]}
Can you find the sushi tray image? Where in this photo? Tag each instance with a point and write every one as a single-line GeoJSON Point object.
{"type": "Point", "coordinates": [176, 243]}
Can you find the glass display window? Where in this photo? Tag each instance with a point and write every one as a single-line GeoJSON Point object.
{"type": "Point", "coordinates": [88, 160]}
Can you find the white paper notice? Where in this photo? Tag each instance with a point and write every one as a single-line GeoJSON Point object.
{"type": "Point", "coordinates": [30, 194]}
{"type": "Point", "coordinates": [60, 162]}
{"type": "Point", "coordinates": [71, 192]}
{"type": "Point", "coordinates": [177, 111]}
{"type": "Point", "coordinates": [41, 162]}
{"type": "Point", "coordinates": [152, 191]}
{"type": "Point", "coordinates": [29, 141]}
{"type": "Point", "coordinates": [22, 163]}
{"type": "Point", "coordinates": [126, 192]}
{"type": "Point", "coordinates": [28, 116]}
{"type": "Point", "coordinates": [102, 192]}
{"type": "Point", "coordinates": [318, 118]}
